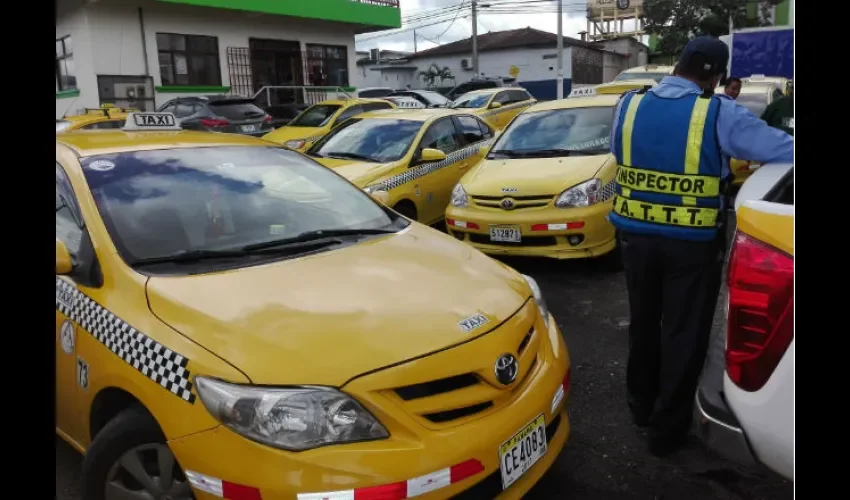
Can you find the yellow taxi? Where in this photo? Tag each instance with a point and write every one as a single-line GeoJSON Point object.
{"type": "Point", "coordinates": [105, 117]}
{"type": "Point", "coordinates": [755, 96]}
{"type": "Point", "coordinates": [546, 185]}
{"type": "Point", "coordinates": [653, 72]}
{"type": "Point", "coordinates": [232, 322]}
{"type": "Point", "coordinates": [496, 105]}
{"type": "Point", "coordinates": [314, 122]}
{"type": "Point", "coordinates": [415, 155]}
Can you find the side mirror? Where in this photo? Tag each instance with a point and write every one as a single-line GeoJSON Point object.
{"type": "Point", "coordinates": [381, 197]}
{"type": "Point", "coordinates": [430, 155]}
{"type": "Point", "coordinates": [64, 264]}
{"type": "Point", "coordinates": [495, 105]}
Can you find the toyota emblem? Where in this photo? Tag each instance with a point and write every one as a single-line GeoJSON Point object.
{"type": "Point", "coordinates": [507, 368]}
{"type": "Point", "coordinates": [507, 203]}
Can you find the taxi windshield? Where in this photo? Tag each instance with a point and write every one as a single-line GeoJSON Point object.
{"type": "Point", "coordinates": [756, 103]}
{"type": "Point", "coordinates": [476, 100]}
{"type": "Point", "coordinates": [380, 140]}
{"type": "Point", "coordinates": [315, 116]}
{"type": "Point", "coordinates": [557, 132]}
{"type": "Point", "coordinates": [183, 201]}
{"type": "Point", "coordinates": [639, 75]}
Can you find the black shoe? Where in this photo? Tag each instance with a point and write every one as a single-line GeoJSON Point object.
{"type": "Point", "coordinates": [663, 446]}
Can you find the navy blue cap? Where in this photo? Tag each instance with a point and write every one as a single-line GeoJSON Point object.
{"type": "Point", "coordinates": [714, 52]}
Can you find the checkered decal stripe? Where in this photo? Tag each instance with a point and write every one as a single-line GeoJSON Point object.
{"type": "Point", "coordinates": [609, 190]}
{"type": "Point", "coordinates": [421, 171]}
{"type": "Point", "coordinates": [155, 361]}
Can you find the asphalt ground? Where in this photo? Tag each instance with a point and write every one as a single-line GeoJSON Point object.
{"type": "Point", "coordinates": [605, 457]}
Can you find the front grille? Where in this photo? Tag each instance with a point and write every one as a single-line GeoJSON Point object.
{"type": "Point", "coordinates": [520, 202]}
{"type": "Point", "coordinates": [448, 416]}
{"type": "Point", "coordinates": [436, 387]}
{"type": "Point", "coordinates": [491, 486]}
{"type": "Point", "coordinates": [527, 241]}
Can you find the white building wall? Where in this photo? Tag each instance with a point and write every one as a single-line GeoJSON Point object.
{"type": "Point", "coordinates": [112, 31]}
{"type": "Point", "coordinates": [76, 24]}
{"type": "Point", "coordinates": [530, 62]}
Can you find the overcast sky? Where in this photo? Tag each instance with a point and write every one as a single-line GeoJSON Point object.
{"type": "Point", "coordinates": [439, 21]}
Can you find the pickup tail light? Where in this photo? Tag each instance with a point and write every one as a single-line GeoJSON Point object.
{"type": "Point", "coordinates": [214, 122]}
{"type": "Point", "coordinates": [760, 323]}
{"type": "Point", "coordinates": [268, 119]}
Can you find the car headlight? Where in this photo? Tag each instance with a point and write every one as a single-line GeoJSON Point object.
{"type": "Point", "coordinates": [294, 419]}
{"type": "Point", "coordinates": [582, 195]}
{"type": "Point", "coordinates": [375, 187]}
{"type": "Point", "coordinates": [538, 297]}
{"type": "Point", "coordinates": [459, 198]}
{"type": "Point", "coordinates": [294, 144]}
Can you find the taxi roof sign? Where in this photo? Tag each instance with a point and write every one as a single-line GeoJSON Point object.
{"type": "Point", "coordinates": [583, 92]}
{"type": "Point", "coordinates": [138, 122]}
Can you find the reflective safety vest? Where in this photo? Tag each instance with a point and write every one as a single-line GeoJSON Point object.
{"type": "Point", "coordinates": [670, 166]}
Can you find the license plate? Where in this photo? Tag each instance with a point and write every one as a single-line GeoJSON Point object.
{"type": "Point", "coordinates": [508, 234]}
{"type": "Point", "coordinates": [249, 128]}
{"type": "Point", "coordinates": [518, 454]}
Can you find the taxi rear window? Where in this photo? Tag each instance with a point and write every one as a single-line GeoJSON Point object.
{"type": "Point", "coordinates": [165, 202]}
{"type": "Point", "coordinates": [315, 116]}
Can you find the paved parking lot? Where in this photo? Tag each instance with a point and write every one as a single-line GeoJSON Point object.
{"type": "Point", "coordinates": [605, 457]}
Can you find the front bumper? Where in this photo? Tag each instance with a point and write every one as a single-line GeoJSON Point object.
{"type": "Point", "coordinates": [573, 233]}
{"type": "Point", "coordinates": [344, 472]}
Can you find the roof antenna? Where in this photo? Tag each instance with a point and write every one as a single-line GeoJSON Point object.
{"type": "Point", "coordinates": [65, 114]}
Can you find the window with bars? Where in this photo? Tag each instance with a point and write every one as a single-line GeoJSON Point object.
{"type": "Point", "coordinates": [188, 59]}
{"type": "Point", "coordinates": [327, 65]}
{"type": "Point", "coordinates": [66, 78]}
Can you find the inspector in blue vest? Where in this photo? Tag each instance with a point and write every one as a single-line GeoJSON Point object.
{"type": "Point", "coordinates": [669, 181]}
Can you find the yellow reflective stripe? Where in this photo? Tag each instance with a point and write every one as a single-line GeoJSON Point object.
{"type": "Point", "coordinates": [628, 125]}
{"type": "Point", "coordinates": [693, 149]}
{"type": "Point", "coordinates": [691, 186]}
{"type": "Point", "coordinates": [666, 214]}
{"type": "Point", "coordinates": [626, 191]}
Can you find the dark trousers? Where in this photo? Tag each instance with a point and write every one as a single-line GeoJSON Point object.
{"type": "Point", "coordinates": [673, 287]}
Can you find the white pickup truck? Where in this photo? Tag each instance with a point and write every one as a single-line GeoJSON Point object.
{"type": "Point", "coordinates": [745, 402]}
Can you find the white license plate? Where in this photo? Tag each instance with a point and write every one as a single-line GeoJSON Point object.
{"type": "Point", "coordinates": [510, 234]}
{"type": "Point", "coordinates": [519, 453]}
{"type": "Point", "coordinates": [249, 128]}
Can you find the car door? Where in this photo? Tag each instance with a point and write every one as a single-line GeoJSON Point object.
{"type": "Point", "coordinates": [474, 133]}
{"type": "Point", "coordinates": [497, 116]}
{"type": "Point", "coordinates": [71, 368]}
{"type": "Point", "coordinates": [435, 182]}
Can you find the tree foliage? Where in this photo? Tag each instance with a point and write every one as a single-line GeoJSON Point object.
{"type": "Point", "coordinates": [435, 73]}
{"type": "Point", "coordinates": [677, 21]}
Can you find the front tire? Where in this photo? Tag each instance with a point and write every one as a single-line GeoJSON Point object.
{"type": "Point", "coordinates": [129, 458]}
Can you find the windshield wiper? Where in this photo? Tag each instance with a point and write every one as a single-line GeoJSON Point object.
{"type": "Point", "coordinates": [505, 152]}
{"type": "Point", "coordinates": [192, 256]}
{"type": "Point", "coordinates": [353, 156]}
{"type": "Point", "coordinates": [314, 236]}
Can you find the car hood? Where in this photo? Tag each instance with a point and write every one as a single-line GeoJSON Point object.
{"type": "Point", "coordinates": [326, 318]}
{"type": "Point", "coordinates": [360, 173]}
{"type": "Point", "coordinates": [287, 133]}
{"type": "Point", "coordinates": [531, 176]}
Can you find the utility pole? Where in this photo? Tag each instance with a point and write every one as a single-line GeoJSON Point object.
{"type": "Point", "coordinates": [475, 38]}
{"type": "Point", "coordinates": [414, 41]}
{"type": "Point", "coordinates": [560, 78]}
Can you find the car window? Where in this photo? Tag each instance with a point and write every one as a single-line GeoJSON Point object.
{"type": "Point", "coordinates": [374, 93]}
{"type": "Point", "coordinates": [503, 97]}
{"type": "Point", "coordinates": [105, 125]}
{"type": "Point", "coordinates": [183, 110]}
{"type": "Point", "coordinates": [375, 106]}
{"type": "Point", "coordinates": [380, 140]}
{"type": "Point", "coordinates": [441, 135]}
{"type": "Point", "coordinates": [315, 116]}
{"type": "Point", "coordinates": [471, 129]}
{"type": "Point", "coordinates": [237, 110]}
{"type": "Point", "coordinates": [69, 227]}
{"type": "Point", "coordinates": [170, 201]}
{"type": "Point", "coordinates": [62, 125]}
{"type": "Point", "coordinates": [349, 112]}
{"type": "Point", "coordinates": [475, 100]}
{"type": "Point", "coordinates": [518, 96]}
{"type": "Point", "coordinates": [433, 97]}
{"type": "Point", "coordinates": [555, 131]}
